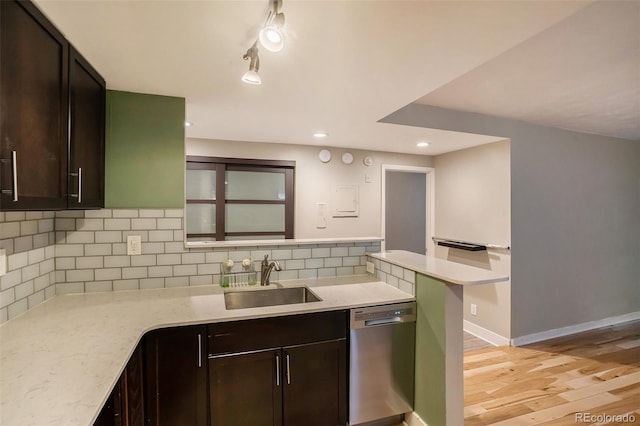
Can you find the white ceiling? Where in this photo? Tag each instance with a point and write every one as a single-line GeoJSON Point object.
{"type": "Point", "coordinates": [346, 64]}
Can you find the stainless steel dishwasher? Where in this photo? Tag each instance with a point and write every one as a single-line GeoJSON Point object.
{"type": "Point", "coordinates": [381, 363]}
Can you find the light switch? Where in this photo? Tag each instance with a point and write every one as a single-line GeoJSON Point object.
{"type": "Point", "coordinates": [321, 219]}
{"type": "Point", "coordinates": [134, 245]}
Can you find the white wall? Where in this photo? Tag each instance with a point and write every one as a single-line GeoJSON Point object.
{"type": "Point", "coordinates": [314, 180]}
{"type": "Point", "coordinates": [473, 203]}
{"type": "Point", "coordinates": [575, 232]}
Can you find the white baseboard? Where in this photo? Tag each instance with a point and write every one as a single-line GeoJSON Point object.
{"type": "Point", "coordinates": [412, 419]}
{"type": "Point", "coordinates": [487, 335]}
{"type": "Point", "coordinates": [572, 329]}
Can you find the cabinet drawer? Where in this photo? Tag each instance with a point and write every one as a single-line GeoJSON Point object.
{"type": "Point", "coordinates": [266, 333]}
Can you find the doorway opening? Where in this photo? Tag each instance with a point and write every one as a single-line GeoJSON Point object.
{"type": "Point", "coordinates": [407, 208]}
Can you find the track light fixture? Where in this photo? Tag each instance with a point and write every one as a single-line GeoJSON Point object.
{"type": "Point", "coordinates": [252, 76]}
{"type": "Point", "coordinates": [271, 37]}
{"type": "Point", "coordinates": [272, 34]}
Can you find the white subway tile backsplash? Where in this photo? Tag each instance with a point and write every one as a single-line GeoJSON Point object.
{"type": "Point", "coordinates": [97, 249]}
{"type": "Point", "coordinates": [134, 272]}
{"type": "Point", "coordinates": [176, 282]}
{"type": "Point", "coordinates": [397, 271]}
{"type": "Point", "coordinates": [410, 276]}
{"type": "Point", "coordinates": [119, 285]}
{"type": "Point", "coordinates": [63, 250]}
{"type": "Point", "coordinates": [79, 237]}
{"type": "Point", "coordinates": [69, 288]}
{"type": "Point", "coordinates": [35, 299]}
{"type": "Point", "coordinates": [96, 286]}
{"type": "Point", "coordinates": [189, 258]}
{"type": "Point", "coordinates": [7, 297]}
{"type": "Point", "coordinates": [102, 213]}
{"type": "Point", "coordinates": [63, 263]}
{"type": "Point", "coordinates": [182, 270]}
{"type": "Point", "coordinates": [170, 223]}
{"type": "Point", "coordinates": [17, 308]}
{"type": "Point", "coordinates": [76, 275]}
{"type": "Point", "coordinates": [108, 237]}
{"type": "Point", "coordinates": [16, 261]}
{"type": "Point", "coordinates": [10, 230]}
{"type": "Point", "coordinates": [162, 235]}
{"type": "Point", "coordinates": [117, 261]}
{"type": "Point", "coordinates": [125, 213]}
{"type": "Point", "coordinates": [149, 283]}
{"type": "Point", "coordinates": [160, 271]}
{"type": "Point", "coordinates": [117, 224]}
{"type": "Point", "coordinates": [168, 259]}
{"type": "Point", "coordinates": [89, 262]}
{"type": "Point", "coordinates": [24, 290]}
{"type": "Point", "coordinates": [151, 248]}
{"type": "Point", "coordinates": [85, 251]}
{"type": "Point", "coordinates": [151, 213]}
{"type": "Point", "coordinates": [30, 272]}
{"type": "Point", "coordinates": [108, 274]}
{"type": "Point", "coordinates": [143, 260]}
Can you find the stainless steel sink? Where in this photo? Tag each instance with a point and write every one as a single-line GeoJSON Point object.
{"type": "Point", "coordinates": [270, 297]}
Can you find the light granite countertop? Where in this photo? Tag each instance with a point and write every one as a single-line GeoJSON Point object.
{"type": "Point", "coordinates": [452, 272]}
{"type": "Point", "coordinates": [60, 360]}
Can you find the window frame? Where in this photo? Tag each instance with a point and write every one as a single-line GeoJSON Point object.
{"type": "Point", "coordinates": [223, 164]}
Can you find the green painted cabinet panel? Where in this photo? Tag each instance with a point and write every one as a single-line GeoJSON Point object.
{"type": "Point", "coordinates": [430, 387]}
{"type": "Point", "coordinates": [145, 160]}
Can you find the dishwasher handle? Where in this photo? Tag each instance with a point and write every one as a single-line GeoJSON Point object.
{"type": "Point", "coordinates": [382, 321]}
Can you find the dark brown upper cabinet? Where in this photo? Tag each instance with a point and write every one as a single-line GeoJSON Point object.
{"type": "Point", "coordinates": [37, 151]}
{"type": "Point", "coordinates": [86, 137]}
{"type": "Point", "coordinates": [34, 104]}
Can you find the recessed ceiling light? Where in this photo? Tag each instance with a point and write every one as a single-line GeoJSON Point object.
{"type": "Point", "coordinates": [187, 123]}
{"type": "Point", "coordinates": [320, 135]}
{"type": "Point", "coordinates": [422, 144]}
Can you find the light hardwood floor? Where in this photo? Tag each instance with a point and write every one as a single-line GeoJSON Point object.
{"type": "Point", "coordinates": [595, 373]}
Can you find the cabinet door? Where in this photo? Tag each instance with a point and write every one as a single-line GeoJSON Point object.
{"type": "Point", "coordinates": [315, 384]}
{"type": "Point", "coordinates": [176, 377]}
{"type": "Point", "coordinates": [246, 389]}
{"type": "Point", "coordinates": [86, 138]}
{"type": "Point", "coordinates": [33, 110]}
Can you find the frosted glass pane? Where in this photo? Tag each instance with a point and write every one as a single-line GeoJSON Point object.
{"type": "Point", "coordinates": [254, 217]}
{"type": "Point", "coordinates": [201, 218]}
{"type": "Point", "coordinates": [254, 186]}
{"type": "Point", "coordinates": [201, 184]}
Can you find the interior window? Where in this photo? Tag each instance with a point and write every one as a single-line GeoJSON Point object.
{"type": "Point", "coordinates": [239, 199]}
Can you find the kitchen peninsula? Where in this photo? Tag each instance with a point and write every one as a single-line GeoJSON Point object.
{"type": "Point", "coordinates": [439, 340]}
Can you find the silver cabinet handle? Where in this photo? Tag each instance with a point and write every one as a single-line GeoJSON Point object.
{"type": "Point", "coordinates": [277, 370]}
{"type": "Point", "coordinates": [14, 168]}
{"type": "Point", "coordinates": [199, 350]}
{"type": "Point", "coordinates": [288, 371]}
{"type": "Point", "coordinates": [79, 194]}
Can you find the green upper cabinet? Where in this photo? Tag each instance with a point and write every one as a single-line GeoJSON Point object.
{"type": "Point", "coordinates": [145, 160]}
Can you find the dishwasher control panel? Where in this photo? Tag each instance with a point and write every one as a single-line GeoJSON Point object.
{"type": "Point", "coordinates": [385, 314]}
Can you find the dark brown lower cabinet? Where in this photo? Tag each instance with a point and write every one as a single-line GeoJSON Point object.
{"type": "Point", "coordinates": [245, 389]}
{"type": "Point", "coordinates": [314, 384]}
{"type": "Point", "coordinates": [295, 385]}
{"type": "Point", "coordinates": [287, 371]}
{"type": "Point", "coordinates": [125, 406]}
{"type": "Point", "coordinates": [176, 376]}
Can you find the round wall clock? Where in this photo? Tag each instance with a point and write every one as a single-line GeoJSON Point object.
{"type": "Point", "coordinates": [325, 155]}
{"type": "Point", "coordinates": [347, 158]}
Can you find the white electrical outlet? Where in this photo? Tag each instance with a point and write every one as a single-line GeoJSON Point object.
{"type": "Point", "coordinates": [3, 261]}
{"type": "Point", "coordinates": [371, 268]}
{"type": "Point", "coordinates": [474, 309]}
{"type": "Point", "coordinates": [134, 245]}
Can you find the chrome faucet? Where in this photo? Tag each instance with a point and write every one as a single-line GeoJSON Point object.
{"type": "Point", "coordinates": [266, 268]}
